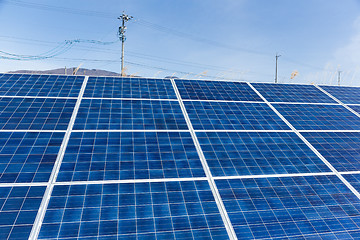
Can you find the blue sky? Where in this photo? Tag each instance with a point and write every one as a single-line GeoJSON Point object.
{"type": "Point", "coordinates": [234, 39]}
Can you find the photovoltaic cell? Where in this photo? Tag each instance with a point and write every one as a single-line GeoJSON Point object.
{"type": "Point", "coordinates": [171, 210]}
{"type": "Point", "coordinates": [40, 85]}
{"type": "Point", "coordinates": [314, 207]}
{"type": "Point", "coordinates": [28, 157]}
{"type": "Point", "coordinates": [109, 114]}
{"type": "Point", "coordinates": [233, 116]}
{"type": "Point", "coordinates": [341, 149]}
{"type": "Point", "coordinates": [216, 90]}
{"type": "Point", "coordinates": [241, 153]}
{"type": "Point", "coordinates": [115, 87]}
{"type": "Point", "coordinates": [292, 93]}
{"type": "Point", "coordinates": [355, 108]}
{"type": "Point", "coordinates": [319, 117]}
{"type": "Point", "coordinates": [18, 209]}
{"type": "Point", "coordinates": [35, 113]}
{"type": "Point", "coordinates": [112, 156]}
{"type": "Point", "coordinates": [346, 95]}
{"type": "Point", "coordinates": [353, 179]}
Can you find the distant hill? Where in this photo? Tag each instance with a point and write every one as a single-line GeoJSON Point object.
{"type": "Point", "coordinates": [69, 71]}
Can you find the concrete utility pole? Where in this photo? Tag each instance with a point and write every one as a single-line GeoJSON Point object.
{"type": "Point", "coordinates": [276, 67]}
{"type": "Point", "coordinates": [122, 37]}
{"type": "Point", "coordinates": [339, 73]}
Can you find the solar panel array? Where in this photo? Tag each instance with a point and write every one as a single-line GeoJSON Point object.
{"type": "Point", "coordinates": [136, 158]}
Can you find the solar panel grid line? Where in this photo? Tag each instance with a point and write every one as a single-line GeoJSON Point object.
{"type": "Point", "coordinates": [131, 130]}
{"type": "Point", "coordinates": [225, 101]}
{"type": "Point", "coordinates": [311, 146]}
{"type": "Point", "coordinates": [239, 131]}
{"type": "Point", "coordinates": [149, 99]}
{"type": "Point", "coordinates": [212, 184]}
{"type": "Point", "coordinates": [23, 184]}
{"type": "Point", "coordinates": [32, 130]}
{"type": "Point", "coordinates": [349, 172]}
{"type": "Point", "coordinates": [154, 180]}
{"type": "Point", "coordinates": [337, 100]}
{"type": "Point", "coordinates": [328, 131]}
{"type": "Point", "coordinates": [1, 96]}
{"type": "Point", "coordinates": [275, 175]}
{"type": "Point", "coordinates": [43, 207]}
{"type": "Point", "coordinates": [308, 103]}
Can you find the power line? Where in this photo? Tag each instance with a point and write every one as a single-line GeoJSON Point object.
{"type": "Point", "coordinates": [148, 24]}
{"type": "Point", "coordinates": [58, 50]}
{"type": "Point", "coordinates": [60, 9]}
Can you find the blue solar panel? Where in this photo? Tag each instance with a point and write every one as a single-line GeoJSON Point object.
{"type": "Point", "coordinates": [129, 114]}
{"type": "Point", "coordinates": [342, 150]}
{"type": "Point", "coordinates": [319, 117]}
{"type": "Point", "coordinates": [171, 210]}
{"type": "Point", "coordinates": [111, 156]}
{"type": "Point", "coordinates": [236, 154]}
{"type": "Point", "coordinates": [292, 93]}
{"type": "Point", "coordinates": [346, 95]}
{"type": "Point", "coordinates": [35, 113]}
{"type": "Point", "coordinates": [28, 157]}
{"type": "Point", "coordinates": [40, 85]}
{"type": "Point", "coordinates": [233, 116]}
{"type": "Point", "coordinates": [355, 108]}
{"type": "Point", "coordinates": [319, 207]}
{"type": "Point", "coordinates": [354, 180]}
{"type": "Point", "coordinates": [216, 90]}
{"type": "Point", "coordinates": [112, 87]}
{"type": "Point", "coordinates": [18, 209]}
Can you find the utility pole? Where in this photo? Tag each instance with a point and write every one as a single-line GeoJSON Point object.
{"type": "Point", "coordinates": [339, 73]}
{"type": "Point", "coordinates": [124, 18]}
{"type": "Point", "coordinates": [276, 67]}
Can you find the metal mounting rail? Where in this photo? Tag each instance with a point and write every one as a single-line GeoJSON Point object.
{"type": "Point", "coordinates": [211, 181]}
{"type": "Point", "coordinates": [50, 185]}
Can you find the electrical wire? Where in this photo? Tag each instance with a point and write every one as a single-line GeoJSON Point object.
{"type": "Point", "coordinates": [154, 26]}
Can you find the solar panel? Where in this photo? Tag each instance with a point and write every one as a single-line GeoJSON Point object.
{"type": "Point", "coordinates": [28, 156]}
{"type": "Point", "coordinates": [238, 154]}
{"type": "Point", "coordinates": [35, 113]}
{"type": "Point", "coordinates": [112, 114]}
{"type": "Point", "coordinates": [354, 180]}
{"type": "Point", "coordinates": [216, 90]}
{"type": "Point", "coordinates": [171, 210]}
{"type": "Point", "coordinates": [124, 164]}
{"type": "Point", "coordinates": [319, 117]}
{"type": "Point", "coordinates": [292, 93]}
{"type": "Point", "coordinates": [18, 209]}
{"type": "Point", "coordinates": [40, 85]}
{"type": "Point", "coordinates": [346, 95]}
{"type": "Point", "coordinates": [114, 87]}
{"type": "Point", "coordinates": [355, 108]}
{"type": "Point", "coordinates": [341, 149]}
{"type": "Point", "coordinates": [233, 116]}
{"type": "Point", "coordinates": [111, 156]}
{"type": "Point", "coordinates": [315, 207]}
